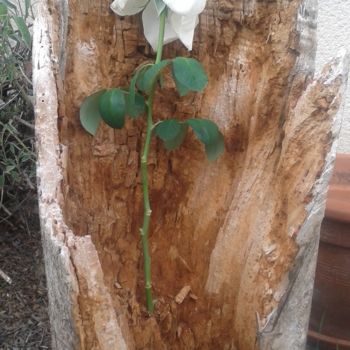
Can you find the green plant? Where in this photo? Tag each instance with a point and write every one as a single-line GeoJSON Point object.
{"type": "Point", "coordinates": [112, 106]}
{"type": "Point", "coordinates": [17, 157]}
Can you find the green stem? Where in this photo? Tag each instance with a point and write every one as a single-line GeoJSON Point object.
{"type": "Point", "coordinates": [144, 175]}
{"type": "Point", "coordinates": [160, 44]}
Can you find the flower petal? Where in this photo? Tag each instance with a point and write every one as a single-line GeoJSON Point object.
{"type": "Point", "coordinates": [186, 7]}
{"type": "Point", "coordinates": [160, 6]}
{"type": "Point", "coordinates": [128, 7]}
{"type": "Point", "coordinates": [150, 21]}
{"type": "Point", "coordinates": [184, 27]}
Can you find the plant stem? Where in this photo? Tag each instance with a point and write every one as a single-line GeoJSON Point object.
{"type": "Point", "coordinates": [160, 44]}
{"type": "Point", "coordinates": [144, 175]}
{"type": "Point", "coordinates": [147, 209]}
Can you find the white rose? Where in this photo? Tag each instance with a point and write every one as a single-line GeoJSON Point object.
{"type": "Point", "coordinates": [181, 20]}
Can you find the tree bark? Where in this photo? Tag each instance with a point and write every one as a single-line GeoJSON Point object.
{"type": "Point", "coordinates": [242, 232]}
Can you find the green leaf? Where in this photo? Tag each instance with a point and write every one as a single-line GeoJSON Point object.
{"type": "Point", "coordinates": [9, 169]}
{"type": "Point", "coordinates": [9, 4]}
{"type": "Point", "coordinates": [2, 181]}
{"type": "Point", "coordinates": [138, 108]}
{"type": "Point", "coordinates": [148, 78]}
{"type": "Point", "coordinates": [189, 75]}
{"type": "Point", "coordinates": [3, 10]}
{"type": "Point", "coordinates": [178, 140]}
{"type": "Point", "coordinates": [27, 6]}
{"type": "Point", "coordinates": [23, 29]}
{"type": "Point", "coordinates": [215, 149]}
{"type": "Point", "coordinates": [204, 129]}
{"type": "Point", "coordinates": [12, 149]}
{"type": "Point", "coordinates": [167, 129]}
{"type": "Point", "coordinates": [112, 107]}
{"type": "Point", "coordinates": [135, 101]}
{"type": "Point", "coordinates": [90, 116]}
{"type": "Point", "coordinates": [171, 132]}
{"type": "Point", "coordinates": [208, 133]}
{"type": "Point", "coordinates": [140, 83]}
{"type": "Point", "coordinates": [25, 157]}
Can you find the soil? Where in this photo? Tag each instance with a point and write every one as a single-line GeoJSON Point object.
{"type": "Point", "coordinates": [24, 322]}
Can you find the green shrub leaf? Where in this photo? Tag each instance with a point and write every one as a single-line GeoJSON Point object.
{"type": "Point", "coordinates": [149, 76]}
{"type": "Point", "coordinates": [2, 181]}
{"type": "Point", "coordinates": [189, 75]}
{"type": "Point", "coordinates": [23, 29]}
{"type": "Point", "coordinates": [3, 10]}
{"type": "Point", "coordinates": [27, 6]}
{"type": "Point", "coordinates": [172, 132]}
{"type": "Point", "coordinates": [90, 116]}
{"type": "Point", "coordinates": [112, 107]}
{"type": "Point", "coordinates": [208, 133]}
{"type": "Point", "coordinates": [9, 4]}
{"type": "Point", "coordinates": [9, 169]}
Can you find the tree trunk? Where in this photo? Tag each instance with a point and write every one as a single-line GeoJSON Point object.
{"type": "Point", "coordinates": [242, 232]}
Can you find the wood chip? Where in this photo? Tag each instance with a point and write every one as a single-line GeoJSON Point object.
{"type": "Point", "coordinates": [193, 296]}
{"type": "Point", "coordinates": [182, 294]}
{"type": "Point", "coordinates": [117, 285]}
{"type": "Point", "coordinates": [179, 331]}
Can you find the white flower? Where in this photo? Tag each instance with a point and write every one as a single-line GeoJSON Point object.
{"type": "Point", "coordinates": [181, 20]}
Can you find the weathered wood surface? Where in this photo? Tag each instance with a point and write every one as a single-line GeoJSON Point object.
{"type": "Point", "coordinates": [242, 233]}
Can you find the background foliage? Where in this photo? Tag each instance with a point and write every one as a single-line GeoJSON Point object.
{"type": "Point", "coordinates": [17, 157]}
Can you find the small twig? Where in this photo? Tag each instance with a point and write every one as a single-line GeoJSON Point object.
{"type": "Point", "coordinates": [1, 195]}
{"type": "Point", "coordinates": [29, 182]}
{"type": "Point", "coordinates": [9, 101]}
{"type": "Point", "coordinates": [181, 296]}
{"type": "Point", "coordinates": [17, 207]}
{"type": "Point", "coordinates": [25, 76]}
{"type": "Point", "coordinates": [20, 120]}
{"type": "Point", "coordinates": [5, 210]}
{"type": "Point", "coordinates": [42, 337]}
{"type": "Point", "coordinates": [5, 277]}
{"type": "Point", "coordinates": [8, 222]}
{"type": "Point", "coordinates": [24, 219]}
{"type": "Point", "coordinates": [18, 140]}
{"type": "Point", "coordinates": [23, 94]}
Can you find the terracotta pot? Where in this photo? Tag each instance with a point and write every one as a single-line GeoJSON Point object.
{"type": "Point", "coordinates": [330, 315]}
{"type": "Point", "coordinates": [338, 199]}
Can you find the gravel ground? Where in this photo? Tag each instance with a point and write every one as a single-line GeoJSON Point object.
{"type": "Point", "coordinates": [23, 303]}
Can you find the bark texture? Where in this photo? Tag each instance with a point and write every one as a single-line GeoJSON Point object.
{"type": "Point", "coordinates": [242, 233]}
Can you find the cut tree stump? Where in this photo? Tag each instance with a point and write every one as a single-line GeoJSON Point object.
{"type": "Point", "coordinates": [241, 233]}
